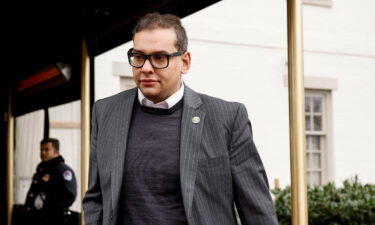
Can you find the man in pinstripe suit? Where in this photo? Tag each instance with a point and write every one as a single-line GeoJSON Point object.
{"type": "Point", "coordinates": [164, 154]}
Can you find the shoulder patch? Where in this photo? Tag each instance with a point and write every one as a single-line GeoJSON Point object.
{"type": "Point", "coordinates": [68, 176]}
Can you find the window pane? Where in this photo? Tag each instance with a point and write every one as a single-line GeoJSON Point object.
{"type": "Point", "coordinates": [317, 123]}
{"type": "Point", "coordinates": [308, 161]}
{"type": "Point", "coordinates": [315, 142]}
{"type": "Point", "coordinates": [315, 161]}
{"type": "Point", "coordinates": [308, 122]}
{"type": "Point", "coordinates": [308, 139]}
{"type": "Point", "coordinates": [28, 133]}
{"type": "Point", "coordinates": [70, 138]}
{"type": "Point", "coordinates": [307, 104]}
{"type": "Point", "coordinates": [315, 178]}
{"type": "Point", "coordinates": [317, 104]}
{"type": "Point", "coordinates": [308, 177]}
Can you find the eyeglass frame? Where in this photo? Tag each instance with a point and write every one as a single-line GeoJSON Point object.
{"type": "Point", "coordinates": [147, 57]}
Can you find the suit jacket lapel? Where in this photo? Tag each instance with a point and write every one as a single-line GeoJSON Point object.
{"type": "Point", "coordinates": [120, 130]}
{"type": "Point", "coordinates": [191, 135]}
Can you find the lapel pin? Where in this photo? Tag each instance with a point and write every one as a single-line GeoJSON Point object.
{"type": "Point", "coordinates": [196, 119]}
{"type": "Point", "coordinates": [45, 178]}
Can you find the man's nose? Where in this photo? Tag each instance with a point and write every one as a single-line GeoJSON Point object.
{"type": "Point", "coordinates": [147, 67]}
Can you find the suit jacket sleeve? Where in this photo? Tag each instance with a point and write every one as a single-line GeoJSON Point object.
{"type": "Point", "coordinates": [251, 191]}
{"type": "Point", "coordinates": [93, 201]}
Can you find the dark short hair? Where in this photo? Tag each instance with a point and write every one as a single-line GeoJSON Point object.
{"type": "Point", "coordinates": [55, 143]}
{"type": "Point", "coordinates": [156, 20]}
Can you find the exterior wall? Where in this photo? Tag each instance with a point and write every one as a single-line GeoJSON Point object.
{"type": "Point", "coordinates": [340, 44]}
{"type": "Point", "coordinates": [107, 81]}
{"type": "Point", "coordinates": [239, 53]}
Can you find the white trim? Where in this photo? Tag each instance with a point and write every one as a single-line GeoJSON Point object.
{"type": "Point", "coordinates": [317, 83]}
{"type": "Point", "coordinates": [329, 159]}
{"type": "Point", "coordinates": [324, 3]}
{"type": "Point", "coordinates": [64, 125]}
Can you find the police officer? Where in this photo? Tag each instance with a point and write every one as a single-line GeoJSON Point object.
{"type": "Point", "coordinates": [53, 189]}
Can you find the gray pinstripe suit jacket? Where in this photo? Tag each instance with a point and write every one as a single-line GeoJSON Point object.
{"type": "Point", "coordinates": [219, 163]}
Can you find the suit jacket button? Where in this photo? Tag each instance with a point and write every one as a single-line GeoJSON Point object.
{"type": "Point", "coordinates": [111, 217]}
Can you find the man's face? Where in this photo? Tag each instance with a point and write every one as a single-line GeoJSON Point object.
{"type": "Point", "coordinates": [48, 152]}
{"type": "Point", "coordinates": [158, 84]}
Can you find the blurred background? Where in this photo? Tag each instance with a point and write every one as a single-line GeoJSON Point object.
{"type": "Point", "coordinates": [239, 53]}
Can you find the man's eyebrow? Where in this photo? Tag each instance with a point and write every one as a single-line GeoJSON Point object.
{"type": "Point", "coordinates": [157, 52]}
{"type": "Point", "coordinates": [161, 52]}
{"type": "Point", "coordinates": [135, 50]}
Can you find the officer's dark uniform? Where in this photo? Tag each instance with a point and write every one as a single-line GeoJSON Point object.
{"type": "Point", "coordinates": [53, 190]}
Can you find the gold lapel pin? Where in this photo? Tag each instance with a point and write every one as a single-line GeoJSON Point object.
{"type": "Point", "coordinates": [45, 178]}
{"type": "Point", "coordinates": [196, 119]}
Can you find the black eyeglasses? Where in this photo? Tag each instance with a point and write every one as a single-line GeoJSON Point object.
{"type": "Point", "coordinates": [157, 60]}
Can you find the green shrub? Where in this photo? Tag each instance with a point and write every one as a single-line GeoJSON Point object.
{"type": "Point", "coordinates": [352, 204]}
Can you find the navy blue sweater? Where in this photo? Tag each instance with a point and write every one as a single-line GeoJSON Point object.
{"type": "Point", "coordinates": [151, 189]}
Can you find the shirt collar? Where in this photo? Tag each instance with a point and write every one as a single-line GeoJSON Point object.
{"type": "Point", "coordinates": [167, 103]}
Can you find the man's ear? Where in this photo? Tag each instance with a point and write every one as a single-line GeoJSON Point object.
{"type": "Point", "coordinates": [186, 60]}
